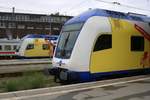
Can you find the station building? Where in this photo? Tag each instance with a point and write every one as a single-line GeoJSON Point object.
{"type": "Point", "coordinates": [17, 25]}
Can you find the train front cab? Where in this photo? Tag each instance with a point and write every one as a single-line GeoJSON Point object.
{"type": "Point", "coordinates": [77, 66]}
{"type": "Point", "coordinates": [33, 48]}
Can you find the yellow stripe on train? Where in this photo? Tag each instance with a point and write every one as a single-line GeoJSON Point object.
{"type": "Point", "coordinates": [120, 56]}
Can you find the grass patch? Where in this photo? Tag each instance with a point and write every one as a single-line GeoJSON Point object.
{"type": "Point", "coordinates": [29, 80]}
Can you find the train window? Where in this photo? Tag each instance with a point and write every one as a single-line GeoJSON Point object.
{"type": "Point", "coordinates": [45, 47]}
{"type": "Point", "coordinates": [14, 47]}
{"type": "Point", "coordinates": [7, 47]}
{"type": "Point", "coordinates": [30, 46]}
{"type": "Point", "coordinates": [0, 47]}
{"type": "Point", "coordinates": [103, 42]}
{"type": "Point", "coordinates": [72, 27]}
{"type": "Point", "coordinates": [137, 43]}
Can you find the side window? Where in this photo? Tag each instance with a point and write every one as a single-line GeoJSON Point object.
{"type": "Point", "coordinates": [14, 47]}
{"type": "Point", "coordinates": [45, 47]}
{"type": "Point", "coordinates": [103, 42]}
{"type": "Point", "coordinates": [0, 47]}
{"type": "Point", "coordinates": [30, 46]}
{"type": "Point", "coordinates": [7, 47]}
{"type": "Point", "coordinates": [137, 43]}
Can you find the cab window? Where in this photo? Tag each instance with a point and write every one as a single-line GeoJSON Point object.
{"type": "Point", "coordinates": [103, 42]}
{"type": "Point", "coordinates": [30, 46]}
{"type": "Point", "coordinates": [45, 47]}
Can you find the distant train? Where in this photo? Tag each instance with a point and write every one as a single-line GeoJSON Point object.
{"type": "Point", "coordinates": [8, 48]}
{"type": "Point", "coordinates": [100, 42]}
{"type": "Point", "coordinates": [36, 46]}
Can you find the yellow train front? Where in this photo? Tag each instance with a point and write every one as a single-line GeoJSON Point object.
{"type": "Point", "coordinates": [36, 46]}
{"type": "Point", "coordinates": [100, 42]}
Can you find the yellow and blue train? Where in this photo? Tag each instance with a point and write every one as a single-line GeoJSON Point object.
{"type": "Point", "coordinates": [102, 42]}
{"type": "Point", "coordinates": [36, 46]}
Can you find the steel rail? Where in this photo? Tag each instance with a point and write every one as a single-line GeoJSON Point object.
{"type": "Point", "coordinates": [14, 67]}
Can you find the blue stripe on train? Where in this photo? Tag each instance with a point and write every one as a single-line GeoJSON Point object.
{"type": "Point", "coordinates": [106, 13]}
{"type": "Point", "coordinates": [24, 57]}
{"type": "Point", "coordinates": [50, 37]}
{"type": "Point", "coordinates": [87, 76]}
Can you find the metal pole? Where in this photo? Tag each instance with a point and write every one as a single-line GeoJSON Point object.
{"type": "Point", "coordinates": [13, 19]}
{"type": "Point", "coordinates": [50, 25]}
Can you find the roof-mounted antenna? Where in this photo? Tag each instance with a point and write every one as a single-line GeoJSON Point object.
{"type": "Point", "coordinates": [117, 3]}
{"type": "Point", "coordinates": [135, 14]}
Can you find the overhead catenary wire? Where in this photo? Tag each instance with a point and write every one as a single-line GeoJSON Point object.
{"type": "Point", "coordinates": [76, 6]}
{"type": "Point", "coordinates": [68, 9]}
{"type": "Point", "coordinates": [112, 3]}
{"type": "Point", "coordinates": [123, 5]}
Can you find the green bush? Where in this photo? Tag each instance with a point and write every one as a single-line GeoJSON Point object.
{"type": "Point", "coordinates": [37, 80]}
{"type": "Point", "coordinates": [28, 81]}
{"type": "Point", "coordinates": [11, 85]}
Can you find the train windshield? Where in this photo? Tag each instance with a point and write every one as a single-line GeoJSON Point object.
{"type": "Point", "coordinates": [67, 40]}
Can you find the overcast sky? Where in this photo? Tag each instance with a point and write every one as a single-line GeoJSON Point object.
{"type": "Point", "coordinates": [72, 7]}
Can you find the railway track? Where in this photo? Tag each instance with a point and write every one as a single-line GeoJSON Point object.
{"type": "Point", "coordinates": [16, 66]}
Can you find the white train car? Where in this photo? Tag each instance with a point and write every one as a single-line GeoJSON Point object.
{"type": "Point", "coordinates": [8, 48]}
{"type": "Point", "coordinates": [102, 42]}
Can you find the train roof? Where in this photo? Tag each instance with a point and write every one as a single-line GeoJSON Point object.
{"type": "Point", "coordinates": [9, 41]}
{"type": "Point", "coordinates": [107, 13]}
{"type": "Point", "coordinates": [49, 37]}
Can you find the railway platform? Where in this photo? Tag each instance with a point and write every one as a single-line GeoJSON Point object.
{"type": "Point", "coordinates": [129, 88]}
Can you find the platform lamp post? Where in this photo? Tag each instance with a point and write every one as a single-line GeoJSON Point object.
{"type": "Point", "coordinates": [50, 31]}
{"type": "Point", "coordinates": [13, 20]}
{"type": "Point", "coordinates": [10, 25]}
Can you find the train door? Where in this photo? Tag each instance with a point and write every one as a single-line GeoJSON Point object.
{"type": "Point", "coordinates": [101, 54]}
